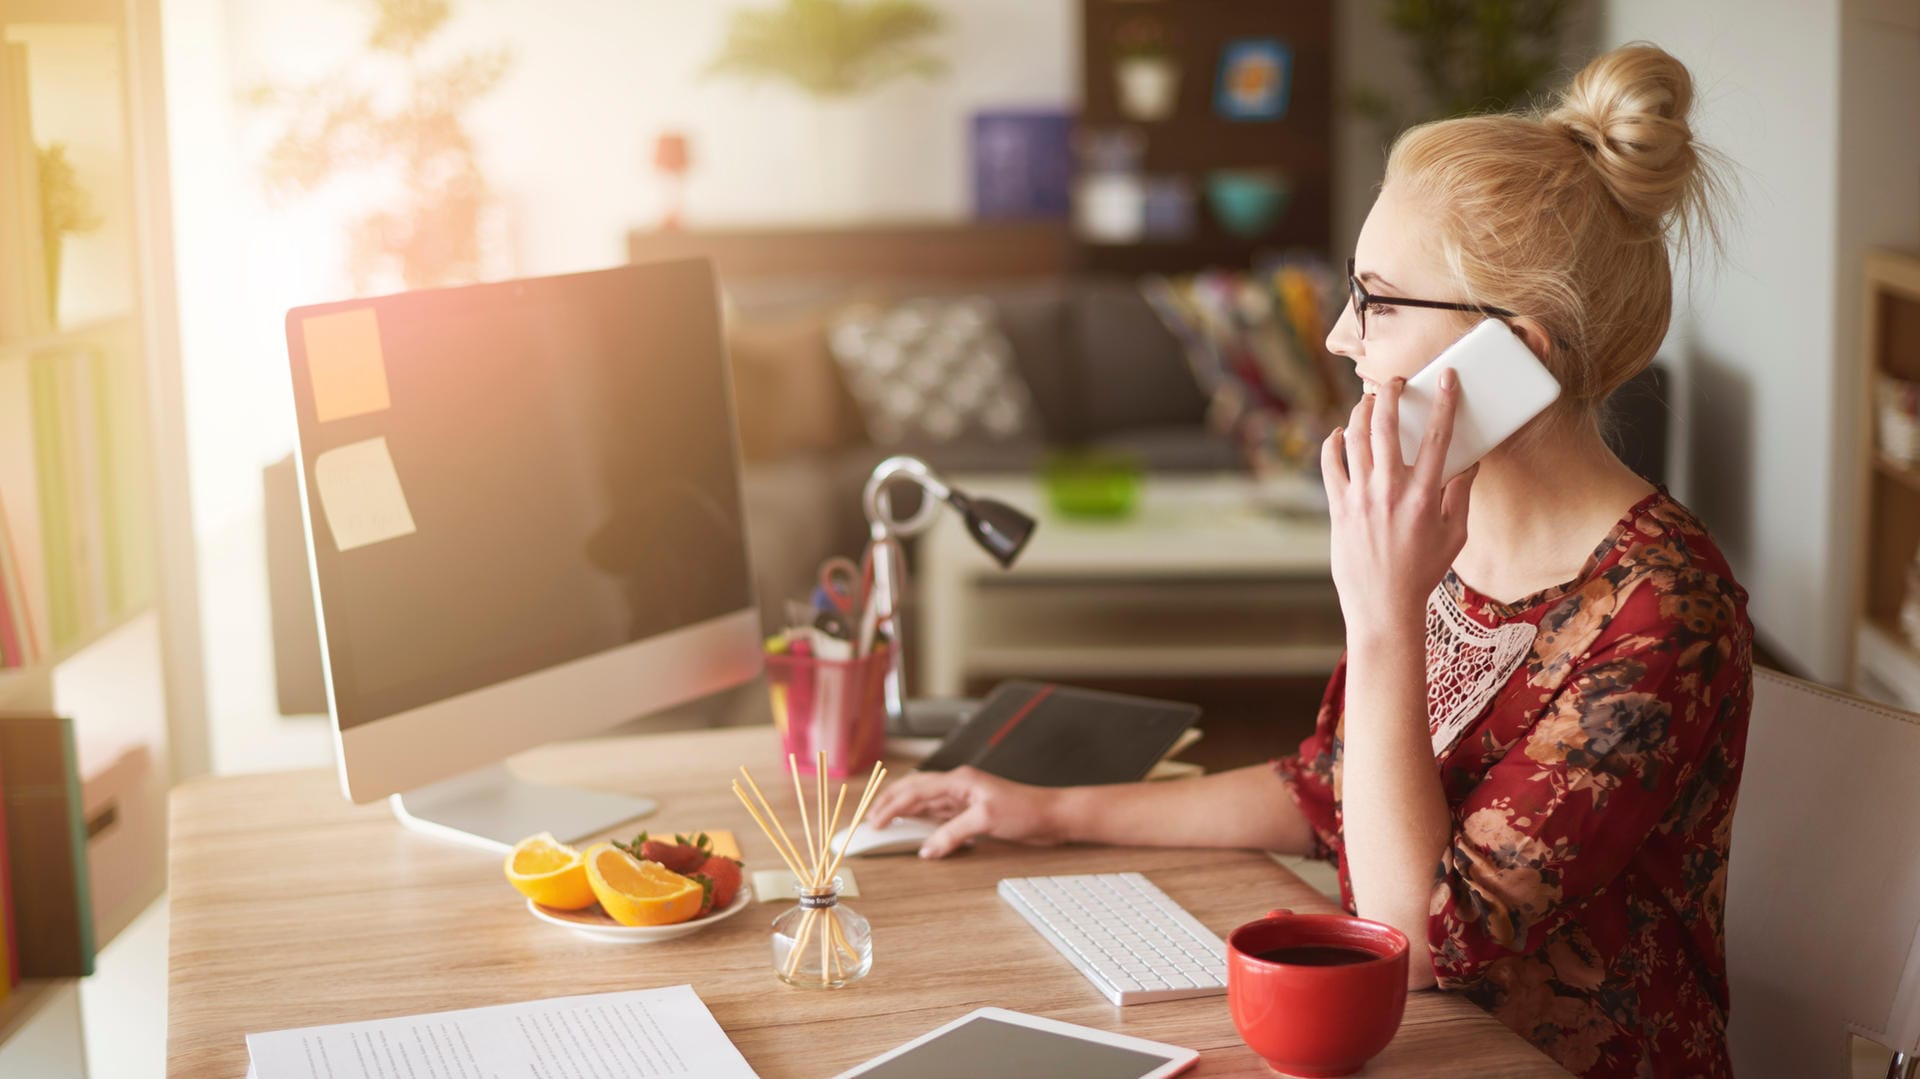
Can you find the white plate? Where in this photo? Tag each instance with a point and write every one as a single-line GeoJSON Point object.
{"type": "Point", "coordinates": [594, 923]}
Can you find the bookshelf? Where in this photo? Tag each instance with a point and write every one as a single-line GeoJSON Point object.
{"type": "Point", "coordinates": [96, 614]}
{"type": "Point", "coordinates": [1886, 660]}
{"type": "Point", "coordinates": [1195, 139]}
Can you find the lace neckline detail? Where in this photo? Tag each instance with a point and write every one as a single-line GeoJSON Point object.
{"type": "Point", "coordinates": [1467, 664]}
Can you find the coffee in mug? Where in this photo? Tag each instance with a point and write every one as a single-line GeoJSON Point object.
{"type": "Point", "coordinates": [1316, 995]}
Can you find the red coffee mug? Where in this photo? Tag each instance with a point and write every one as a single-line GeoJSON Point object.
{"type": "Point", "coordinates": [1316, 1020]}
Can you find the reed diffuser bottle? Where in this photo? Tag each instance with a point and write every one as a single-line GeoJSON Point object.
{"type": "Point", "coordinates": [837, 951]}
{"type": "Point", "coordinates": [821, 943]}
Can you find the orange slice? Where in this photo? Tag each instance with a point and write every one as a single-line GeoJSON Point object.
{"type": "Point", "coordinates": [639, 893]}
{"type": "Point", "coordinates": [550, 873]}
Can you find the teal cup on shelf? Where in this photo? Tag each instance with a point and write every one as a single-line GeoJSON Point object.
{"type": "Point", "coordinates": [1247, 202]}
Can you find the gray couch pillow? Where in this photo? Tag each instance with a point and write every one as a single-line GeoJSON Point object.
{"type": "Point", "coordinates": [932, 371]}
{"type": "Point", "coordinates": [1034, 318]}
{"type": "Point", "coordinates": [1132, 368]}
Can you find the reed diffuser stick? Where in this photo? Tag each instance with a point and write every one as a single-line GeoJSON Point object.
{"type": "Point", "coordinates": [813, 855]}
{"type": "Point", "coordinates": [764, 827]}
{"type": "Point", "coordinates": [843, 945]}
{"type": "Point", "coordinates": [775, 818]}
{"type": "Point", "coordinates": [800, 941]}
{"type": "Point", "coordinates": [874, 779]}
{"type": "Point", "coordinates": [838, 804]}
{"type": "Point", "coordinates": [820, 794]}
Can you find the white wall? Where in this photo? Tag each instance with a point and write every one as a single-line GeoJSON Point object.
{"type": "Point", "coordinates": [566, 142]}
{"type": "Point", "coordinates": [1767, 338]}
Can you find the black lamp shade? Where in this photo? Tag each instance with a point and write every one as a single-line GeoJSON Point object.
{"type": "Point", "coordinates": [995, 526]}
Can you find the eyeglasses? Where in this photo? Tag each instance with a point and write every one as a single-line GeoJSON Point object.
{"type": "Point", "coordinates": [1358, 295]}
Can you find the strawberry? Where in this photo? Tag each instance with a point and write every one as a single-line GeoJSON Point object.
{"type": "Point", "coordinates": [706, 897]}
{"type": "Point", "coordinates": [681, 855]}
{"type": "Point", "coordinates": [720, 876]}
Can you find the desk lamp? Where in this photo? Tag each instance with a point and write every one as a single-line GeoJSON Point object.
{"type": "Point", "coordinates": [998, 528]}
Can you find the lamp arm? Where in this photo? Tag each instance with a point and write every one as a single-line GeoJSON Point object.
{"type": "Point", "coordinates": [998, 528]}
{"type": "Point", "coordinates": [897, 469]}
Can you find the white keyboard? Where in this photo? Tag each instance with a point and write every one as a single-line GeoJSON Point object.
{"type": "Point", "coordinates": [1132, 942]}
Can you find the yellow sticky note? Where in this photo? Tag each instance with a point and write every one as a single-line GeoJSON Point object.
{"type": "Point", "coordinates": [360, 494]}
{"type": "Point", "coordinates": [724, 843]}
{"type": "Point", "coordinates": [774, 885]}
{"type": "Point", "coordinates": [345, 364]}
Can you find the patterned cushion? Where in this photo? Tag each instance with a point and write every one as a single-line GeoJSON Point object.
{"type": "Point", "coordinates": [932, 370]}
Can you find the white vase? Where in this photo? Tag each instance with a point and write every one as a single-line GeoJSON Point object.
{"type": "Point", "coordinates": [1149, 87]}
{"type": "Point", "coordinates": [1110, 208]}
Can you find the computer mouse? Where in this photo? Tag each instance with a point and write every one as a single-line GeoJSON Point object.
{"type": "Point", "coordinates": [903, 836]}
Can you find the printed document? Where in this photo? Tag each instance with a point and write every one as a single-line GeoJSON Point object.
{"type": "Point", "coordinates": [633, 1035]}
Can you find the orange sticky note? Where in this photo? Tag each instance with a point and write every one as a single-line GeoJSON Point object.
{"type": "Point", "coordinates": [345, 364]}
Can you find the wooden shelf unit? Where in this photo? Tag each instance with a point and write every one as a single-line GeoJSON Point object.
{"type": "Point", "coordinates": [1886, 663]}
{"type": "Point", "coordinates": [86, 332]}
{"type": "Point", "coordinates": [1196, 139]}
{"type": "Point", "coordinates": [88, 383]}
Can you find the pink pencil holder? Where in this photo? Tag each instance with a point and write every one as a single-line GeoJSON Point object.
{"type": "Point", "coordinates": [836, 706]}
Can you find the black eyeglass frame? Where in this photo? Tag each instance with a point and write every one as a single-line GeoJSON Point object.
{"type": "Point", "coordinates": [1359, 297]}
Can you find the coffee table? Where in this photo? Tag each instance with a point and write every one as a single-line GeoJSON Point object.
{"type": "Point", "coordinates": [1211, 576]}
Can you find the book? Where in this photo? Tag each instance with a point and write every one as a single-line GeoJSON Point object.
{"type": "Point", "coordinates": [1063, 736]}
{"type": "Point", "coordinates": [87, 432]}
{"type": "Point", "coordinates": [56, 503]}
{"type": "Point", "coordinates": [19, 646]}
{"type": "Point", "coordinates": [46, 846]}
{"type": "Point", "coordinates": [9, 950]}
{"type": "Point", "coordinates": [79, 425]}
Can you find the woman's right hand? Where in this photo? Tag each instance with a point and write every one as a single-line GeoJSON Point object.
{"type": "Point", "coordinates": [971, 803]}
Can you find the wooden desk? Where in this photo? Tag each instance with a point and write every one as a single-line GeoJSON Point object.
{"type": "Point", "coordinates": [292, 908]}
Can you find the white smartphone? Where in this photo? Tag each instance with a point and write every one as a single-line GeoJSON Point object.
{"type": "Point", "coordinates": [1502, 386]}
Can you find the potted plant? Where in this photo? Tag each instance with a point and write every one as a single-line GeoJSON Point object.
{"type": "Point", "coordinates": [835, 52]}
{"type": "Point", "coordinates": [1146, 71]}
{"type": "Point", "coordinates": [831, 48]}
{"type": "Point", "coordinates": [65, 207]}
{"type": "Point", "coordinates": [1471, 56]}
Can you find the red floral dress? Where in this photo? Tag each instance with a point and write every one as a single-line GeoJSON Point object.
{"type": "Point", "coordinates": [1590, 751]}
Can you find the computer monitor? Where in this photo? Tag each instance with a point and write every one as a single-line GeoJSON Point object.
{"type": "Point", "coordinates": [524, 518]}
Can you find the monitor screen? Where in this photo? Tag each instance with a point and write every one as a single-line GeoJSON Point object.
{"type": "Point", "coordinates": [504, 478]}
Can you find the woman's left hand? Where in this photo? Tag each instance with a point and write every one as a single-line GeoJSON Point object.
{"type": "Point", "coordinates": [1396, 528]}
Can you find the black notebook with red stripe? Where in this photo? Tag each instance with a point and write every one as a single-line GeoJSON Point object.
{"type": "Point", "coordinates": [1062, 736]}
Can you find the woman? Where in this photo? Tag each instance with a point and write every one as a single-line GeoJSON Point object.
{"type": "Point", "coordinates": [1527, 759]}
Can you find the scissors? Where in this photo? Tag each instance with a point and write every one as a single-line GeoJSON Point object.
{"type": "Point", "coordinates": [844, 586]}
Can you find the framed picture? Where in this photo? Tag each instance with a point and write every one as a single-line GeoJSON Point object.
{"type": "Point", "coordinates": [1255, 73]}
{"type": "Point", "coordinates": [1022, 164]}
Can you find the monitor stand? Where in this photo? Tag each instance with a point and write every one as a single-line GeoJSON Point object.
{"type": "Point", "coordinates": [492, 809]}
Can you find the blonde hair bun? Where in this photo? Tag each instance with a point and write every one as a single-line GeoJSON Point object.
{"type": "Point", "coordinates": [1628, 110]}
{"type": "Point", "coordinates": [1570, 216]}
